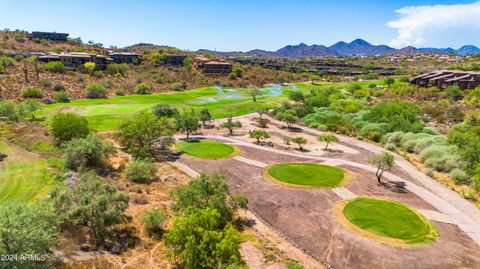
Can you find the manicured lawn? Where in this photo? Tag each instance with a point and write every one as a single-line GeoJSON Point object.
{"type": "Point", "coordinates": [206, 149]}
{"type": "Point", "coordinates": [23, 177]}
{"type": "Point", "coordinates": [307, 174]}
{"type": "Point", "coordinates": [391, 219]}
{"type": "Point", "coordinates": [108, 113]}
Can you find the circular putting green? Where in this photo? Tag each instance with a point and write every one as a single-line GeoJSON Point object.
{"type": "Point", "coordinates": [306, 175]}
{"type": "Point", "coordinates": [389, 222]}
{"type": "Point", "coordinates": [207, 149]}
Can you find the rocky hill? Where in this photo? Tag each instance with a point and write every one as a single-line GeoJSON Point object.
{"type": "Point", "coordinates": [356, 47]}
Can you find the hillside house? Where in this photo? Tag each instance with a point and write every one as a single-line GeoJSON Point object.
{"type": "Point", "coordinates": [50, 36]}
{"type": "Point", "coordinates": [124, 57]}
{"type": "Point", "coordinates": [76, 60]}
{"type": "Point", "coordinates": [212, 66]}
{"type": "Point", "coordinates": [175, 59]}
{"type": "Point", "coordinates": [445, 78]}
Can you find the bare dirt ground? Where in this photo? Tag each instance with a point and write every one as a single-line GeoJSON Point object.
{"type": "Point", "coordinates": [304, 215]}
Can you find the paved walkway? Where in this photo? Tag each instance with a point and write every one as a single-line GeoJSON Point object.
{"type": "Point", "coordinates": [453, 198]}
{"type": "Point", "coordinates": [452, 212]}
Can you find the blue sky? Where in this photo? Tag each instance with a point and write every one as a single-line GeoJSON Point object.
{"type": "Point", "coordinates": [244, 25]}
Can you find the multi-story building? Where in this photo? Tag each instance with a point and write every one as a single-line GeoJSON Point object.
{"type": "Point", "coordinates": [50, 36]}
{"type": "Point", "coordinates": [445, 78]}
{"type": "Point", "coordinates": [124, 57]}
{"type": "Point", "coordinates": [76, 60]}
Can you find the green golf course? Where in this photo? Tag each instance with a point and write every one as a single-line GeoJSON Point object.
{"type": "Point", "coordinates": [23, 176]}
{"type": "Point", "coordinates": [390, 219]}
{"type": "Point", "coordinates": [306, 174]}
{"type": "Point", "coordinates": [107, 113]}
{"type": "Point", "coordinates": [206, 149]}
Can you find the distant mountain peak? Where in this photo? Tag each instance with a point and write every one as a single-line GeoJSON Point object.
{"type": "Point", "coordinates": [360, 42]}
{"type": "Point", "coordinates": [356, 47]}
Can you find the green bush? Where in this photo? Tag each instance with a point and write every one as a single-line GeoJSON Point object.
{"type": "Point", "coordinates": [66, 126]}
{"type": "Point", "coordinates": [460, 177]}
{"type": "Point", "coordinates": [142, 88]}
{"type": "Point", "coordinates": [176, 86]}
{"type": "Point", "coordinates": [153, 220]}
{"type": "Point", "coordinates": [9, 111]}
{"type": "Point", "coordinates": [88, 152]}
{"type": "Point", "coordinates": [119, 93]}
{"type": "Point", "coordinates": [440, 157]}
{"type": "Point", "coordinates": [32, 92]}
{"type": "Point", "coordinates": [232, 76]}
{"type": "Point", "coordinates": [54, 67]}
{"type": "Point", "coordinates": [96, 90]}
{"type": "Point", "coordinates": [62, 97]}
{"type": "Point", "coordinates": [59, 87]}
{"type": "Point", "coordinates": [114, 69]}
{"type": "Point", "coordinates": [141, 171]}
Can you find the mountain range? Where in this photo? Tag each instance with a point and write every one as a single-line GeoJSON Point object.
{"type": "Point", "coordinates": [356, 47]}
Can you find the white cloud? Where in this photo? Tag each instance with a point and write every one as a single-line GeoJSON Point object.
{"type": "Point", "coordinates": [437, 25]}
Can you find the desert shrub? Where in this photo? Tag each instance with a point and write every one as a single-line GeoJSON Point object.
{"type": "Point", "coordinates": [47, 84]}
{"type": "Point", "coordinates": [374, 127]}
{"type": "Point", "coordinates": [393, 138]}
{"type": "Point", "coordinates": [32, 92]}
{"type": "Point", "coordinates": [54, 67]}
{"type": "Point", "coordinates": [153, 220]}
{"type": "Point", "coordinates": [400, 116]}
{"type": "Point", "coordinates": [119, 93]}
{"type": "Point", "coordinates": [345, 106]}
{"type": "Point", "coordinates": [59, 87]}
{"type": "Point", "coordinates": [96, 90]}
{"type": "Point", "coordinates": [441, 157]}
{"type": "Point", "coordinates": [62, 97]}
{"type": "Point", "coordinates": [66, 126]}
{"type": "Point", "coordinates": [48, 101]}
{"type": "Point", "coordinates": [114, 69]}
{"type": "Point", "coordinates": [430, 172]}
{"type": "Point", "coordinates": [167, 111]}
{"type": "Point", "coordinates": [9, 111]}
{"type": "Point", "coordinates": [374, 136]}
{"type": "Point", "coordinates": [390, 146]}
{"type": "Point", "coordinates": [176, 86]}
{"type": "Point", "coordinates": [232, 76]}
{"type": "Point", "coordinates": [460, 177]}
{"type": "Point", "coordinates": [142, 88]}
{"type": "Point", "coordinates": [141, 171]}
{"type": "Point", "coordinates": [88, 152]}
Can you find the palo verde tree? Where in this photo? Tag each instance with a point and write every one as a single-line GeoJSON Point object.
{"type": "Point", "coordinates": [208, 191]}
{"type": "Point", "coordinates": [296, 96]}
{"type": "Point", "coordinates": [327, 138]}
{"type": "Point", "coordinates": [28, 229]}
{"type": "Point", "coordinates": [254, 93]}
{"type": "Point", "coordinates": [389, 81]}
{"type": "Point", "coordinates": [93, 204]}
{"type": "Point", "coordinates": [300, 141]}
{"type": "Point", "coordinates": [166, 111]}
{"type": "Point", "coordinates": [90, 67]}
{"type": "Point", "coordinates": [205, 116]}
{"type": "Point", "coordinates": [231, 125]}
{"type": "Point", "coordinates": [288, 116]}
{"type": "Point", "coordinates": [66, 126]}
{"type": "Point", "coordinates": [259, 135]}
{"type": "Point", "coordinates": [199, 240]}
{"type": "Point", "coordinates": [383, 162]}
{"type": "Point", "coordinates": [146, 136]}
{"type": "Point", "coordinates": [187, 122]}
{"type": "Point", "coordinates": [88, 152]}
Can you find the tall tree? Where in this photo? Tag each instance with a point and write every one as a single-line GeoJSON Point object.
{"type": "Point", "coordinates": [145, 136]}
{"type": "Point", "coordinates": [327, 138]}
{"type": "Point", "coordinates": [254, 93]}
{"type": "Point", "coordinates": [187, 122]}
{"type": "Point", "coordinates": [383, 162]}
